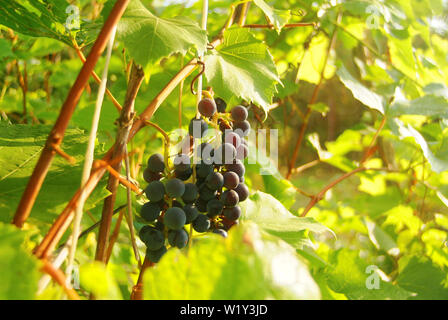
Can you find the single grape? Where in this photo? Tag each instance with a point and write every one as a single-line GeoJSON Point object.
{"type": "Point", "coordinates": [243, 191]}
{"type": "Point", "coordinates": [205, 193]}
{"type": "Point", "coordinates": [182, 162]}
{"type": "Point", "coordinates": [214, 181]}
{"type": "Point", "coordinates": [175, 188]}
{"type": "Point", "coordinates": [155, 191]}
{"type": "Point", "coordinates": [150, 211]}
{"type": "Point", "coordinates": [197, 128]}
{"type": "Point", "coordinates": [143, 230]}
{"type": "Point", "coordinates": [149, 176]}
{"type": "Point", "coordinates": [174, 218]}
{"type": "Point", "coordinates": [205, 152]}
{"type": "Point", "coordinates": [207, 107]}
{"type": "Point", "coordinates": [221, 105]}
{"type": "Point", "coordinates": [230, 198]}
{"type": "Point", "coordinates": [239, 113]}
{"type": "Point", "coordinates": [191, 193]}
{"type": "Point", "coordinates": [237, 166]}
{"type": "Point", "coordinates": [231, 180]}
{"type": "Point", "coordinates": [201, 223]}
{"type": "Point", "coordinates": [203, 169]}
{"type": "Point", "coordinates": [201, 205]}
{"type": "Point", "coordinates": [242, 152]}
{"type": "Point", "coordinates": [232, 213]}
{"type": "Point", "coordinates": [242, 128]}
{"type": "Point", "coordinates": [156, 163]}
{"type": "Point", "coordinates": [178, 238]}
{"type": "Point", "coordinates": [224, 154]}
{"type": "Point", "coordinates": [183, 175]}
{"type": "Point", "coordinates": [191, 212]}
{"type": "Point", "coordinates": [155, 255]}
{"type": "Point", "coordinates": [221, 232]}
{"type": "Point", "coordinates": [231, 137]}
{"type": "Point", "coordinates": [214, 208]}
{"type": "Point", "coordinates": [153, 239]}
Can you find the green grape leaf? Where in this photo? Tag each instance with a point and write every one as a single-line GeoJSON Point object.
{"type": "Point", "coordinates": [437, 165]}
{"type": "Point", "coordinates": [148, 38]}
{"type": "Point", "coordinates": [20, 147]}
{"type": "Point", "coordinates": [349, 274]}
{"type": "Point", "coordinates": [424, 278]}
{"type": "Point", "coordinates": [360, 92]}
{"type": "Point", "coordinates": [276, 17]}
{"type": "Point", "coordinates": [98, 279]}
{"type": "Point", "coordinates": [428, 105]}
{"type": "Point", "coordinates": [36, 18]}
{"type": "Point", "coordinates": [242, 66]}
{"type": "Point", "coordinates": [268, 213]}
{"type": "Point", "coordinates": [18, 269]}
{"type": "Point", "coordinates": [247, 265]}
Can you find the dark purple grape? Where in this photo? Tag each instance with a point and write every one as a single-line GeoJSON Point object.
{"type": "Point", "coordinates": [205, 193]}
{"type": "Point", "coordinates": [232, 213]}
{"type": "Point", "coordinates": [201, 205]}
{"type": "Point", "coordinates": [181, 162]}
{"type": "Point", "coordinates": [175, 188]}
{"type": "Point", "coordinates": [214, 208]}
{"type": "Point", "coordinates": [191, 193]}
{"type": "Point", "coordinates": [149, 176]}
{"type": "Point", "coordinates": [203, 169]}
{"type": "Point", "coordinates": [242, 152]}
{"type": "Point", "coordinates": [231, 137]}
{"type": "Point", "coordinates": [224, 154]}
{"type": "Point", "coordinates": [153, 239]}
{"type": "Point", "coordinates": [230, 198]}
{"type": "Point", "coordinates": [214, 181]}
{"type": "Point", "coordinates": [156, 163]}
{"type": "Point", "coordinates": [242, 128]}
{"type": "Point", "coordinates": [197, 128]}
{"type": "Point", "coordinates": [221, 232]}
{"type": "Point", "coordinates": [174, 218]}
{"type": "Point", "coordinates": [239, 113]}
{"type": "Point", "coordinates": [243, 191]}
{"type": "Point", "coordinates": [155, 191]}
{"type": "Point", "coordinates": [237, 166]}
{"type": "Point", "coordinates": [231, 180]}
{"type": "Point", "coordinates": [183, 175]}
{"type": "Point", "coordinates": [155, 255]}
{"type": "Point", "coordinates": [178, 238]}
{"type": "Point", "coordinates": [221, 105]}
{"type": "Point", "coordinates": [207, 107]}
{"type": "Point", "coordinates": [191, 212]}
{"type": "Point", "coordinates": [150, 211]}
{"type": "Point", "coordinates": [201, 223]}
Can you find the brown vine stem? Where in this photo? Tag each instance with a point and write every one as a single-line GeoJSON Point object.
{"type": "Point", "coordinates": [371, 147]}
{"type": "Point", "coordinates": [57, 133]}
{"type": "Point", "coordinates": [312, 101]}
{"type": "Point", "coordinates": [96, 77]}
{"type": "Point", "coordinates": [59, 277]}
{"type": "Point", "coordinates": [124, 124]}
{"type": "Point", "coordinates": [137, 290]}
{"type": "Point", "coordinates": [114, 235]}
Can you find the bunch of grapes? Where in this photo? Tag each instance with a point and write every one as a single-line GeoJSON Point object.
{"type": "Point", "coordinates": [210, 201]}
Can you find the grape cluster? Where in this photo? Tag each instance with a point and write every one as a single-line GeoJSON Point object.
{"type": "Point", "coordinates": [210, 202]}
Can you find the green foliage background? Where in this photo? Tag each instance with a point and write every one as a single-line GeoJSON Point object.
{"type": "Point", "coordinates": [386, 227]}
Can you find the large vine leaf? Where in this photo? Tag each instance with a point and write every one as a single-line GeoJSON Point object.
{"type": "Point", "coordinates": [37, 18]}
{"type": "Point", "coordinates": [347, 273]}
{"type": "Point", "coordinates": [277, 17]}
{"type": "Point", "coordinates": [428, 105]}
{"type": "Point", "coordinates": [148, 38]}
{"type": "Point", "coordinates": [268, 213]}
{"type": "Point", "coordinates": [18, 269]}
{"type": "Point", "coordinates": [248, 265]}
{"type": "Point", "coordinates": [360, 92]}
{"type": "Point", "coordinates": [20, 147]}
{"type": "Point", "coordinates": [242, 66]}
